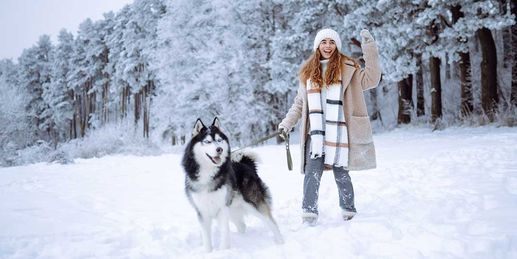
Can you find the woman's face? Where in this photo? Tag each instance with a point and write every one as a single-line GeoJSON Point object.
{"type": "Point", "coordinates": [327, 48]}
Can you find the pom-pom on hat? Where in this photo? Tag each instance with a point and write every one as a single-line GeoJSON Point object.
{"type": "Point", "coordinates": [327, 33]}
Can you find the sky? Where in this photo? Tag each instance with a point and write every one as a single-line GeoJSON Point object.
{"type": "Point", "coordinates": [22, 22]}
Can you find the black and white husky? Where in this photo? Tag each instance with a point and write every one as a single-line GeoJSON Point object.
{"type": "Point", "coordinates": [223, 186]}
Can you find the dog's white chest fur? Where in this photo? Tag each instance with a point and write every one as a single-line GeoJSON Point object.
{"type": "Point", "coordinates": [209, 203]}
{"type": "Point", "coordinates": [206, 174]}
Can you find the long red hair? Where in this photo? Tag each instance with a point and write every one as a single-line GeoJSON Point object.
{"type": "Point", "coordinates": [311, 69]}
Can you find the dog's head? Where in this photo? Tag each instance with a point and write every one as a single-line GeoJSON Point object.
{"type": "Point", "coordinates": [210, 144]}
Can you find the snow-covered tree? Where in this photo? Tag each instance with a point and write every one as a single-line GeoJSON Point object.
{"type": "Point", "coordinates": [35, 77]}
{"type": "Point", "coordinates": [200, 64]}
{"type": "Point", "coordinates": [295, 26]}
{"type": "Point", "coordinates": [473, 18]}
{"type": "Point", "coordinates": [140, 36]}
{"type": "Point", "coordinates": [59, 94]}
{"type": "Point", "coordinates": [14, 124]}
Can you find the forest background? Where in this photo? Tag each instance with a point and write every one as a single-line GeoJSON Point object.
{"type": "Point", "coordinates": [136, 80]}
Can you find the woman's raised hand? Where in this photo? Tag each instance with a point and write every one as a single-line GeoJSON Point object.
{"type": "Point", "coordinates": [366, 36]}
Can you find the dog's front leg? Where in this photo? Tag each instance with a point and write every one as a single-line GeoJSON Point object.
{"type": "Point", "coordinates": [206, 232]}
{"type": "Point", "coordinates": [223, 218]}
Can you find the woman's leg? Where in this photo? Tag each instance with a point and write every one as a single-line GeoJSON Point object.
{"type": "Point", "coordinates": [345, 190]}
{"type": "Point", "coordinates": [311, 185]}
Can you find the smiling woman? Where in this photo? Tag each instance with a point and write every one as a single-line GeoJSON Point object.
{"type": "Point", "coordinates": [327, 48]}
{"type": "Point", "coordinates": [335, 129]}
{"type": "Point", "coordinates": [23, 21]}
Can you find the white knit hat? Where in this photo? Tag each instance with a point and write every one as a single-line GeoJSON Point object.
{"type": "Point", "coordinates": [327, 33]}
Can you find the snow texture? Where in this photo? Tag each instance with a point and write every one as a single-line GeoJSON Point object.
{"type": "Point", "coordinates": [446, 194]}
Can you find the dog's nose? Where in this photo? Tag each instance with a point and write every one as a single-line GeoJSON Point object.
{"type": "Point", "coordinates": [219, 150]}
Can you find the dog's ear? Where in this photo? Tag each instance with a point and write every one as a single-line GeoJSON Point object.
{"type": "Point", "coordinates": [216, 123]}
{"type": "Point", "coordinates": [198, 127]}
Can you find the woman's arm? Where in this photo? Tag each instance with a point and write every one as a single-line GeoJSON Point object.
{"type": "Point", "coordinates": [295, 112]}
{"type": "Point", "coordinates": [370, 75]}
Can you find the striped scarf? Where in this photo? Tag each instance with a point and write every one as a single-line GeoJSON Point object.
{"type": "Point", "coordinates": [328, 131]}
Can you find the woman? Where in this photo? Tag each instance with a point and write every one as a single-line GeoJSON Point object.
{"type": "Point", "coordinates": [335, 129]}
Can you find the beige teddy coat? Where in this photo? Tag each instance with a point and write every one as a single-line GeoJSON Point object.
{"type": "Point", "coordinates": [361, 154]}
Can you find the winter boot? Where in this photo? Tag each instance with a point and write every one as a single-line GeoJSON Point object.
{"type": "Point", "coordinates": [309, 218]}
{"type": "Point", "coordinates": [347, 215]}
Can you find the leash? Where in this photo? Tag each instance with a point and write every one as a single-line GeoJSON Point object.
{"type": "Point", "coordinates": [285, 135]}
{"type": "Point", "coordinates": [288, 151]}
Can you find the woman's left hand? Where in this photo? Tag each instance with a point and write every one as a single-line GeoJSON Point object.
{"type": "Point", "coordinates": [366, 36]}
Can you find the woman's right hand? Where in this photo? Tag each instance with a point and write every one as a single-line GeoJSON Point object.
{"type": "Point", "coordinates": [283, 132]}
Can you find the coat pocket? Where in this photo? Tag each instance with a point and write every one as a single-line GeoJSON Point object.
{"type": "Point", "coordinates": [360, 130]}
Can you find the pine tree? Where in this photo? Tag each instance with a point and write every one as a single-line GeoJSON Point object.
{"type": "Point", "coordinates": [60, 95]}
{"type": "Point", "coordinates": [474, 18]}
{"type": "Point", "coordinates": [14, 133]}
{"type": "Point", "coordinates": [513, 41]}
{"type": "Point", "coordinates": [34, 76]}
{"type": "Point", "coordinates": [140, 36]}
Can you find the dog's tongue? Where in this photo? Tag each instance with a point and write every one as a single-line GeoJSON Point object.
{"type": "Point", "coordinates": [217, 159]}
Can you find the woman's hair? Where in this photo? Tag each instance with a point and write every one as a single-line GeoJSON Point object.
{"type": "Point", "coordinates": [311, 69]}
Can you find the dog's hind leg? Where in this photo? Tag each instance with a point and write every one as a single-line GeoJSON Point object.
{"type": "Point", "coordinates": [206, 232]}
{"type": "Point", "coordinates": [237, 218]}
{"type": "Point", "coordinates": [223, 219]}
{"type": "Point", "coordinates": [263, 212]}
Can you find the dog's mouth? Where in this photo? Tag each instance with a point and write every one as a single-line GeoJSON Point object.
{"type": "Point", "coordinates": [215, 159]}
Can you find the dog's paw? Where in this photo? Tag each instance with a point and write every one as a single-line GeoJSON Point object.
{"type": "Point", "coordinates": [224, 245]}
{"type": "Point", "coordinates": [279, 240]}
{"type": "Point", "coordinates": [241, 227]}
{"type": "Point", "coordinates": [208, 249]}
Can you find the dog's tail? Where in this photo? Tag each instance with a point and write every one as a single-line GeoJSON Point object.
{"type": "Point", "coordinates": [246, 157]}
{"type": "Point", "coordinates": [254, 190]}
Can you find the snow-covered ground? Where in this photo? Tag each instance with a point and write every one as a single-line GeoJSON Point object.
{"type": "Point", "coordinates": [446, 194]}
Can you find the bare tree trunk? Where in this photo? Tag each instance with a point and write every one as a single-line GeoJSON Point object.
{"type": "Point", "coordinates": [145, 106]}
{"type": "Point", "coordinates": [124, 102]}
{"type": "Point", "coordinates": [137, 100]}
{"type": "Point", "coordinates": [105, 103]}
{"type": "Point", "coordinates": [88, 107]}
{"type": "Point", "coordinates": [405, 100]}
{"type": "Point", "coordinates": [465, 69]}
{"type": "Point", "coordinates": [513, 99]}
{"type": "Point", "coordinates": [489, 98]}
{"type": "Point", "coordinates": [467, 98]}
{"type": "Point", "coordinates": [105, 88]}
{"type": "Point", "coordinates": [84, 109]}
{"type": "Point", "coordinates": [93, 107]}
{"type": "Point", "coordinates": [420, 101]}
{"type": "Point", "coordinates": [73, 130]}
{"type": "Point", "coordinates": [436, 89]}
{"type": "Point", "coordinates": [77, 116]}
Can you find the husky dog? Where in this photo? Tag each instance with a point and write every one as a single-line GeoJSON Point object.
{"type": "Point", "coordinates": [223, 186]}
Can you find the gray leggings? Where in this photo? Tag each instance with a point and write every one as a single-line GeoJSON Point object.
{"type": "Point", "coordinates": [311, 184]}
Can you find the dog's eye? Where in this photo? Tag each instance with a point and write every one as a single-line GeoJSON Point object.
{"type": "Point", "coordinates": [207, 141]}
{"type": "Point", "coordinates": [220, 140]}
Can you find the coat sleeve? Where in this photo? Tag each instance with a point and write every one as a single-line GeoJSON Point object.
{"type": "Point", "coordinates": [295, 112]}
{"type": "Point", "coordinates": [370, 75]}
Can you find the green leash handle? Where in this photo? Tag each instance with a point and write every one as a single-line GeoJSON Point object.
{"type": "Point", "coordinates": [285, 135]}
